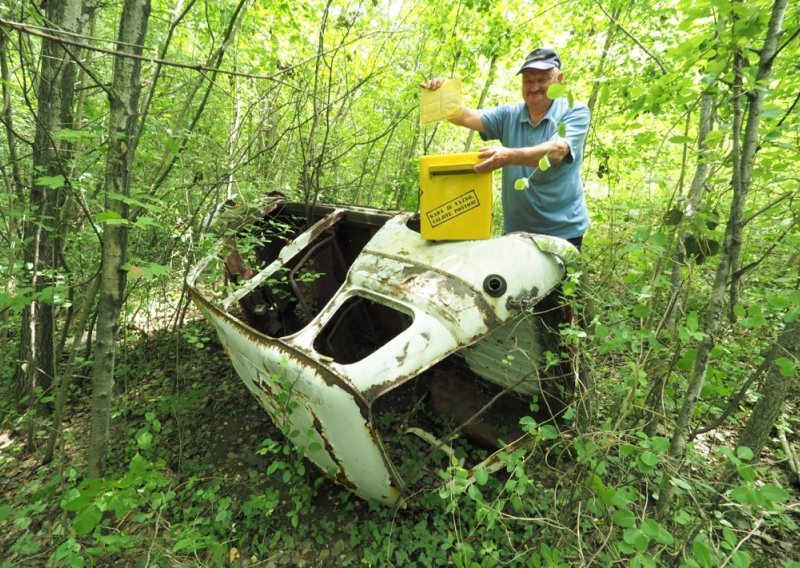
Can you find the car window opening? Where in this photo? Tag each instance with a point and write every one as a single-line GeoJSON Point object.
{"type": "Point", "coordinates": [358, 329]}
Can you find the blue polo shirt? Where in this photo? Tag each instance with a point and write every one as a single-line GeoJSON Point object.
{"type": "Point", "coordinates": [553, 203]}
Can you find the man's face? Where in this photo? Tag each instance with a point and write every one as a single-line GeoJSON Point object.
{"type": "Point", "coordinates": [535, 83]}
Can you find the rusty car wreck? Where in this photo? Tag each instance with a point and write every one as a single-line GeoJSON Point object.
{"type": "Point", "coordinates": [336, 317]}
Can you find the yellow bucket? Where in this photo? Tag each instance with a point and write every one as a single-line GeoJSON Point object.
{"type": "Point", "coordinates": [455, 203]}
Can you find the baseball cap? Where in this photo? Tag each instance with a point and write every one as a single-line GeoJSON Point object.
{"type": "Point", "coordinates": [541, 58]}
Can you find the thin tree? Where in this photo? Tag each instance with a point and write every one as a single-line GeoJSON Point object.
{"type": "Point", "coordinates": [744, 152]}
{"type": "Point", "coordinates": [15, 195]}
{"type": "Point", "coordinates": [55, 94]}
{"type": "Point", "coordinates": [123, 132]}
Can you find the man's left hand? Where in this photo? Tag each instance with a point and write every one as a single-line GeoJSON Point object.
{"type": "Point", "coordinates": [493, 158]}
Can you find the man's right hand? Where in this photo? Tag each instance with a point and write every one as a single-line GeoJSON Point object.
{"type": "Point", "coordinates": [432, 85]}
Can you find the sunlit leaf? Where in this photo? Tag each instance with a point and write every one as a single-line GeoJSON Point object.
{"type": "Point", "coordinates": [544, 164]}
{"type": "Point", "coordinates": [556, 90]}
{"type": "Point", "coordinates": [144, 439]}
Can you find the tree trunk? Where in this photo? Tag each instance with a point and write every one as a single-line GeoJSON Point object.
{"type": "Point", "coordinates": [15, 196]}
{"type": "Point", "coordinates": [742, 171]}
{"type": "Point", "coordinates": [55, 93]}
{"type": "Point", "coordinates": [123, 131]}
{"type": "Point", "coordinates": [65, 379]}
{"type": "Point", "coordinates": [661, 369]}
{"type": "Point", "coordinates": [774, 390]}
{"type": "Point", "coordinates": [599, 72]}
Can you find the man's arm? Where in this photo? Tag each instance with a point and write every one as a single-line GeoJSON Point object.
{"type": "Point", "coordinates": [468, 118]}
{"type": "Point", "coordinates": [576, 126]}
{"type": "Point", "coordinates": [495, 157]}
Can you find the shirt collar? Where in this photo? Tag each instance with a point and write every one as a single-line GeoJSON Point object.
{"type": "Point", "coordinates": [550, 115]}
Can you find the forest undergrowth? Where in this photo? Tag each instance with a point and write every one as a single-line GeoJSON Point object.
{"type": "Point", "coordinates": [203, 478]}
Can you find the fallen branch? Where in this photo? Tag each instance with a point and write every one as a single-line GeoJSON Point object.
{"type": "Point", "coordinates": [791, 454]}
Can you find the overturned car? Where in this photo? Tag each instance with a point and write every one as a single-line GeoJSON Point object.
{"type": "Point", "coordinates": [374, 350]}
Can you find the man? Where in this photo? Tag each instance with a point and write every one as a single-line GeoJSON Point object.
{"type": "Point", "coordinates": [545, 200]}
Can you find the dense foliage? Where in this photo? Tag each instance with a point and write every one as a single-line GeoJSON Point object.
{"type": "Point", "coordinates": [693, 265]}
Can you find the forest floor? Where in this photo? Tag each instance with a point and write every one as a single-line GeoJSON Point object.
{"type": "Point", "coordinates": [242, 497]}
{"type": "Point", "coordinates": [210, 433]}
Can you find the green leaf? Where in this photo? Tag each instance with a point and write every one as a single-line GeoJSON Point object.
{"type": "Point", "coordinates": [145, 440]}
{"type": "Point", "coordinates": [474, 492]}
{"type": "Point", "coordinates": [562, 129]}
{"type": "Point", "coordinates": [139, 465]}
{"type": "Point", "coordinates": [624, 518]}
{"type": "Point", "coordinates": [544, 164]}
{"type": "Point", "coordinates": [622, 497]}
{"type": "Point", "coordinates": [682, 517]}
{"type": "Point", "coordinates": [637, 538]}
{"type": "Point", "coordinates": [744, 453]}
{"type": "Point", "coordinates": [746, 495]}
{"type": "Point", "coordinates": [188, 543]}
{"type": "Point", "coordinates": [142, 222]}
{"type": "Point", "coordinates": [702, 553]}
{"type": "Point", "coordinates": [754, 322]}
{"type": "Point", "coordinates": [481, 476]}
{"type": "Point", "coordinates": [660, 443]}
{"type": "Point", "coordinates": [681, 139]}
{"type": "Point", "coordinates": [78, 498]}
{"type": "Point", "coordinates": [740, 558]}
{"type": "Point", "coordinates": [5, 511]}
{"type": "Point", "coordinates": [556, 90]}
{"type": "Point", "coordinates": [86, 520]}
{"type": "Point", "coordinates": [773, 493]}
{"type": "Point", "coordinates": [53, 182]}
{"type": "Point", "coordinates": [642, 561]}
{"type": "Point", "coordinates": [72, 135]}
{"type": "Point", "coordinates": [649, 458]}
{"type": "Point", "coordinates": [786, 366]}
{"type": "Point", "coordinates": [110, 218]}
{"type": "Point", "coordinates": [747, 473]}
{"type": "Point", "coordinates": [520, 184]}
{"type": "Point", "coordinates": [145, 270]}
{"type": "Point", "coordinates": [68, 553]}
{"type": "Point", "coordinates": [683, 484]}
{"type": "Point", "coordinates": [658, 533]}
{"type": "Point", "coordinates": [778, 302]}
{"type": "Point", "coordinates": [549, 432]}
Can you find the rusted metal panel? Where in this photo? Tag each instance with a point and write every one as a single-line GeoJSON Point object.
{"type": "Point", "coordinates": [400, 306]}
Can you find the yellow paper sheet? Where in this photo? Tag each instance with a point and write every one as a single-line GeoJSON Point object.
{"type": "Point", "coordinates": [445, 102]}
